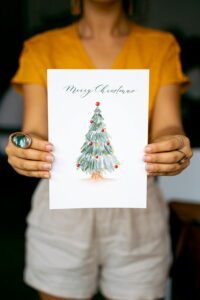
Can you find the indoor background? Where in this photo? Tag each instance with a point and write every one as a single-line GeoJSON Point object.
{"type": "Point", "coordinates": [20, 19]}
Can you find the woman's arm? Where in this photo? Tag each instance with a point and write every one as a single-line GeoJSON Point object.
{"type": "Point", "coordinates": [35, 161]}
{"type": "Point", "coordinates": [168, 143]}
{"type": "Point", "coordinates": [35, 110]}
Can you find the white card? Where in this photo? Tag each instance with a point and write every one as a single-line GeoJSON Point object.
{"type": "Point", "coordinates": [98, 124]}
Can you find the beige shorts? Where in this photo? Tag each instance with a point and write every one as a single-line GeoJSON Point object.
{"type": "Point", "coordinates": [124, 253]}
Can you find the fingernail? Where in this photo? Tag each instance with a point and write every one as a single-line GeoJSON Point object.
{"type": "Point", "coordinates": [47, 175]}
{"type": "Point", "coordinates": [148, 149]}
{"type": "Point", "coordinates": [149, 167]}
{"type": "Point", "coordinates": [49, 147]}
{"type": "Point", "coordinates": [50, 158]}
{"type": "Point", "coordinates": [46, 166]}
{"type": "Point", "coordinates": [146, 158]}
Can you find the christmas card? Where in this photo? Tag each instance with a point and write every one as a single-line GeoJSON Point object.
{"type": "Point", "coordinates": [98, 124]}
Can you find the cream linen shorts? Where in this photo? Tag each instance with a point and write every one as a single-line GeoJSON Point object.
{"type": "Point", "coordinates": [124, 253]}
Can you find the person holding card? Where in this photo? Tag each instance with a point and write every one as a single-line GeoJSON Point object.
{"type": "Point", "coordinates": [70, 254]}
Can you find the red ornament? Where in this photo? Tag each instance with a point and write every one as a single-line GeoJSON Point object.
{"type": "Point", "coordinates": [103, 130]}
{"type": "Point", "coordinates": [78, 165]}
{"type": "Point", "coordinates": [96, 156]}
{"type": "Point", "coordinates": [97, 103]}
{"type": "Point", "coordinates": [91, 143]}
{"type": "Point", "coordinates": [116, 166]}
{"type": "Point", "coordinates": [91, 121]}
{"type": "Point", "coordinates": [108, 143]}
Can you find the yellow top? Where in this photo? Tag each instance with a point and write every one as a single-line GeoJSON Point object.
{"type": "Point", "coordinates": [62, 48]}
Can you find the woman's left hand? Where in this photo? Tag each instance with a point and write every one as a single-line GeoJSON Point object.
{"type": "Point", "coordinates": [167, 155]}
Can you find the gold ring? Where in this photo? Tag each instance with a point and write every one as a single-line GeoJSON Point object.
{"type": "Point", "coordinates": [183, 159]}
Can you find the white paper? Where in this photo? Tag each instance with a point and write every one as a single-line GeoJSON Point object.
{"type": "Point", "coordinates": [122, 97]}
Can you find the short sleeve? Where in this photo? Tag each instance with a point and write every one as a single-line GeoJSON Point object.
{"type": "Point", "coordinates": [31, 69]}
{"type": "Point", "coordinates": [171, 69]}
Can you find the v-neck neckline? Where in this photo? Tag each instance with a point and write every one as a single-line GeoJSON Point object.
{"type": "Point", "coordinates": [86, 55]}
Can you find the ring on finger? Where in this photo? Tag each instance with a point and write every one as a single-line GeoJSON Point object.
{"type": "Point", "coordinates": [183, 159]}
{"type": "Point", "coordinates": [21, 140]}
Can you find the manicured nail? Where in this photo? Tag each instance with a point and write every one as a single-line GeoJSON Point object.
{"type": "Point", "coordinates": [49, 147]}
{"type": "Point", "coordinates": [50, 158]}
{"type": "Point", "coordinates": [47, 175]}
{"type": "Point", "coordinates": [149, 174]}
{"type": "Point", "coordinates": [148, 149]}
{"type": "Point", "coordinates": [146, 158]}
{"type": "Point", "coordinates": [46, 166]}
{"type": "Point", "coordinates": [149, 167]}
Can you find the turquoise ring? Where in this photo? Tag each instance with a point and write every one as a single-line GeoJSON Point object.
{"type": "Point", "coordinates": [21, 140]}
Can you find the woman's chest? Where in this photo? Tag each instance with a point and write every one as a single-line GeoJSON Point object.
{"type": "Point", "coordinates": [102, 54]}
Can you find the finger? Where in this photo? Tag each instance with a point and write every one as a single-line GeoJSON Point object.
{"type": "Point", "coordinates": [30, 165]}
{"type": "Point", "coordinates": [37, 174]}
{"type": "Point", "coordinates": [167, 171]}
{"type": "Point", "coordinates": [163, 174]}
{"type": "Point", "coordinates": [42, 145]}
{"type": "Point", "coordinates": [164, 157]}
{"type": "Point", "coordinates": [31, 154]}
{"type": "Point", "coordinates": [163, 146]}
{"type": "Point", "coordinates": [163, 168]}
{"type": "Point", "coordinates": [188, 151]}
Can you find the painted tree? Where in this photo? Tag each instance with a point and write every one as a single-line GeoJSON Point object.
{"type": "Point", "coordinates": [97, 155]}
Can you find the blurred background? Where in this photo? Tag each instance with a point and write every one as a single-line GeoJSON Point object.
{"type": "Point", "coordinates": [20, 19]}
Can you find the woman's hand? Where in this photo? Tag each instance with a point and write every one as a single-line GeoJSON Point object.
{"type": "Point", "coordinates": [35, 161]}
{"type": "Point", "coordinates": [167, 155]}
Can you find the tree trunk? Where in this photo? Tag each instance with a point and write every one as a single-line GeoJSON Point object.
{"type": "Point", "coordinates": [96, 176]}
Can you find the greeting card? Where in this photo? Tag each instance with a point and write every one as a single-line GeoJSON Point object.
{"type": "Point", "coordinates": [98, 124]}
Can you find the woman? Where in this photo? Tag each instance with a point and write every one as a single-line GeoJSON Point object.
{"type": "Point", "coordinates": [124, 252]}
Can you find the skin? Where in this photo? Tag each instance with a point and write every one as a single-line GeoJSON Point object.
{"type": "Point", "coordinates": [103, 30]}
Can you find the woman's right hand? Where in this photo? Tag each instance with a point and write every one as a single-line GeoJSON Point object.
{"type": "Point", "coordinates": [35, 161]}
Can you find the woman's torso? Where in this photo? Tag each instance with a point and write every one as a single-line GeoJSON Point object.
{"type": "Point", "coordinates": [62, 48]}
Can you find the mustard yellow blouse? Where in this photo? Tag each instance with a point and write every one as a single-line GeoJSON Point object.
{"type": "Point", "coordinates": [144, 48]}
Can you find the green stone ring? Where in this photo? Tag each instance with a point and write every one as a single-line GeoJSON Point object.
{"type": "Point", "coordinates": [21, 140]}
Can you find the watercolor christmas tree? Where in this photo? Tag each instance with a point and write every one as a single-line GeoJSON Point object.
{"type": "Point", "coordinates": [97, 154]}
